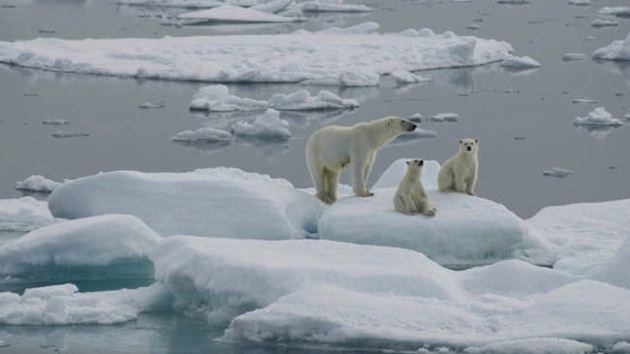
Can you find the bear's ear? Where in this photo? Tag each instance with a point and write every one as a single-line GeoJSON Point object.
{"type": "Point", "coordinates": [408, 162]}
{"type": "Point", "coordinates": [461, 141]}
{"type": "Point", "coordinates": [476, 141]}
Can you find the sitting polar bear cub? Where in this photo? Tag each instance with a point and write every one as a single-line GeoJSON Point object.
{"type": "Point", "coordinates": [332, 148]}
{"type": "Point", "coordinates": [459, 173]}
{"type": "Point", "coordinates": [410, 197]}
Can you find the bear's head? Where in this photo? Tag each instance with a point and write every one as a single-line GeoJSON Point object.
{"type": "Point", "coordinates": [469, 146]}
{"type": "Point", "coordinates": [399, 125]}
{"type": "Point", "coordinates": [415, 166]}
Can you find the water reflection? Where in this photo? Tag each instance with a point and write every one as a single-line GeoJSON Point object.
{"type": "Point", "coordinates": [599, 132]}
{"type": "Point", "coordinates": [620, 68]}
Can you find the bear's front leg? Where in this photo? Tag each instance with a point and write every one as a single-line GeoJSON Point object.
{"type": "Point", "coordinates": [470, 185]}
{"type": "Point", "coordinates": [460, 185]}
{"type": "Point", "coordinates": [358, 183]}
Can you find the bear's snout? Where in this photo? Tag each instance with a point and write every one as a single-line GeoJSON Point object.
{"type": "Point", "coordinates": [469, 148]}
{"type": "Point", "coordinates": [410, 126]}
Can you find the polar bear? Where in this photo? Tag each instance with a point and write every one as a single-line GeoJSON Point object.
{"type": "Point", "coordinates": [333, 148]}
{"type": "Point", "coordinates": [410, 197]}
{"type": "Point", "coordinates": [459, 173]}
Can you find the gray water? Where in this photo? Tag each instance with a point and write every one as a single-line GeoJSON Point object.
{"type": "Point", "coordinates": [523, 120]}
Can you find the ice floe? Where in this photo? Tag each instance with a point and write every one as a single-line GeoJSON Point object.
{"type": "Point", "coordinates": [206, 134]}
{"type": "Point", "coordinates": [598, 117]}
{"type": "Point", "coordinates": [333, 6]}
{"type": "Point", "coordinates": [267, 125]}
{"type": "Point", "coordinates": [207, 202]}
{"type": "Point", "coordinates": [24, 214]}
{"type": "Point", "coordinates": [444, 117]}
{"type": "Point", "coordinates": [558, 172]}
{"type": "Point", "coordinates": [69, 134]}
{"type": "Point", "coordinates": [406, 77]}
{"type": "Point", "coordinates": [216, 98]}
{"type": "Point", "coordinates": [237, 14]}
{"type": "Point", "coordinates": [55, 122]}
{"type": "Point", "coordinates": [573, 56]}
{"type": "Point", "coordinates": [617, 50]}
{"type": "Point", "coordinates": [466, 230]}
{"type": "Point", "coordinates": [520, 63]}
{"type": "Point", "coordinates": [314, 58]}
{"type": "Point", "coordinates": [37, 183]}
{"type": "Point", "coordinates": [580, 2]}
{"type": "Point", "coordinates": [584, 100]}
{"type": "Point", "coordinates": [173, 3]}
{"type": "Point", "coordinates": [96, 248]}
{"type": "Point", "coordinates": [151, 105]}
{"type": "Point", "coordinates": [604, 22]}
{"type": "Point", "coordinates": [619, 11]}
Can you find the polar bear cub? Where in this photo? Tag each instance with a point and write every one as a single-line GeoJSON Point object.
{"type": "Point", "coordinates": [333, 148]}
{"type": "Point", "coordinates": [459, 173]}
{"type": "Point", "coordinates": [410, 197]}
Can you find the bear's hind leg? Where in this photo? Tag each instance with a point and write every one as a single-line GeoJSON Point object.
{"type": "Point", "coordinates": [332, 181]}
{"type": "Point", "coordinates": [320, 185]}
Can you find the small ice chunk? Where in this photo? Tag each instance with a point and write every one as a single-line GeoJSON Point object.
{"type": "Point", "coordinates": [151, 105]}
{"type": "Point", "coordinates": [580, 2]}
{"type": "Point", "coordinates": [229, 13]}
{"type": "Point", "coordinates": [598, 117]}
{"type": "Point", "coordinates": [37, 183]}
{"type": "Point", "coordinates": [573, 56]}
{"type": "Point", "coordinates": [513, 2]}
{"type": "Point", "coordinates": [617, 50]}
{"type": "Point", "coordinates": [557, 172]}
{"type": "Point", "coordinates": [266, 126]}
{"type": "Point", "coordinates": [216, 98]}
{"type": "Point", "coordinates": [584, 100]}
{"type": "Point", "coordinates": [206, 134]}
{"type": "Point", "coordinates": [444, 117]}
{"type": "Point", "coordinates": [416, 118]}
{"type": "Point", "coordinates": [525, 62]}
{"type": "Point", "coordinates": [302, 101]}
{"type": "Point", "coordinates": [406, 77]}
{"type": "Point", "coordinates": [619, 11]}
{"type": "Point", "coordinates": [55, 122]}
{"type": "Point", "coordinates": [603, 22]}
{"type": "Point", "coordinates": [68, 134]}
{"type": "Point", "coordinates": [328, 6]}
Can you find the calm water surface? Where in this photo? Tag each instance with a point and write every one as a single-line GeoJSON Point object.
{"type": "Point", "coordinates": [523, 120]}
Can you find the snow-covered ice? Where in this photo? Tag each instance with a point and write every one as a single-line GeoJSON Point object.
{"type": "Point", "coordinates": [617, 50]}
{"type": "Point", "coordinates": [267, 125]}
{"type": "Point", "coordinates": [525, 62]}
{"type": "Point", "coordinates": [598, 117]}
{"type": "Point", "coordinates": [37, 183]}
{"type": "Point", "coordinates": [216, 98]}
{"type": "Point", "coordinates": [206, 202]}
{"type": "Point", "coordinates": [315, 58]}
{"type": "Point", "coordinates": [113, 246]}
{"type": "Point", "coordinates": [206, 134]}
{"type": "Point", "coordinates": [619, 11]}
{"type": "Point", "coordinates": [466, 230]}
{"type": "Point", "coordinates": [558, 172]}
{"type": "Point", "coordinates": [24, 214]}
{"type": "Point", "coordinates": [237, 14]}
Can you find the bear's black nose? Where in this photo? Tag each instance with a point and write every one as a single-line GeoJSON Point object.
{"type": "Point", "coordinates": [468, 148]}
{"type": "Point", "coordinates": [421, 162]}
{"type": "Point", "coordinates": [411, 128]}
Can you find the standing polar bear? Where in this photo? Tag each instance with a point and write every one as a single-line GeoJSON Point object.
{"type": "Point", "coordinates": [459, 173]}
{"type": "Point", "coordinates": [410, 197]}
{"type": "Point", "coordinates": [332, 148]}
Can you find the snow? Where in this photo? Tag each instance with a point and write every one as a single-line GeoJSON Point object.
{"type": "Point", "coordinates": [525, 62]}
{"type": "Point", "coordinates": [339, 59]}
{"type": "Point", "coordinates": [619, 11]}
{"type": "Point", "coordinates": [63, 305]}
{"type": "Point", "coordinates": [598, 117]}
{"type": "Point", "coordinates": [534, 346]}
{"type": "Point", "coordinates": [94, 248]}
{"type": "Point", "coordinates": [583, 236]}
{"type": "Point", "coordinates": [466, 231]}
{"type": "Point", "coordinates": [615, 270]}
{"type": "Point", "coordinates": [37, 183]}
{"type": "Point", "coordinates": [267, 125]}
{"type": "Point", "coordinates": [617, 50]}
{"type": "Point", "coordinates": [237, 14]}
{"type": "Point", "coordinates": [206, 202]}
{"type": "Point", "coordinates": [24, 214]}
{"type": "Point", "coordinates": [558, 172]}
{"type": "Point", "coordinates": [216, 98]}
{"type": "Point", "coordinates": [207, 134]}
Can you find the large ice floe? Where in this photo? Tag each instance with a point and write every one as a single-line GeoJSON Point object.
{"type": "Point", "coordinates": [221, 202]}
{"type": "Point", "coordinates": [466, 230]}
{"type": "Point", "coordinates": [389, 295]}
{"type": "Point", "coordinates": [24, 214]}
{"type": "Point", "coordinates": [107, 247]}
{"type": "Point", "coordinates": [617, 50]}
{"type": "Point", "coordinates": [342, 59]}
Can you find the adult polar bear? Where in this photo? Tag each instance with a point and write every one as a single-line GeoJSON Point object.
{"type": "Point", "coordinates": [331, 149]}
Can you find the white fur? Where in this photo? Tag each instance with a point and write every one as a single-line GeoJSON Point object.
{"type": "Point", "coordinates": [410, 197]}
{"type": "Point", "coordinates": [333, 148]}
{"type": "Point", "coordinates": [459, 173]}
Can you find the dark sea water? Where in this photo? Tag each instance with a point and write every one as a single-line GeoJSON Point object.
{"type": "Point", "coordinates": [523, 121]}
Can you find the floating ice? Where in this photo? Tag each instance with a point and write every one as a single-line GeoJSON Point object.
{"type": "Point", "coordinates": [406, 77]}
{"type": "Point", "coordinates": [573, 56]}
{"type": "Point", "coordinates": [520, 63]}
{"type": "Point", "coordinates": [584, 100]}
{"type": "Point", "coordinates": [619, 11]}
{"type": "Point", "coordinates": [444, 117]}
{"type": "Point", "coordinates": [416, 117]}
{"type": "Point", "coordinates": [173, 3]}
{"type": "Point", "coordinates": [63, 305]}
{"type": "Point", "coordinates": [411, 137]}
{"type": "Point", "coordinates": [216, 98]}
{"type": "Point", "coordinates": [598, 117]}
{"type": "Point", "coordinates": [466, 231]}
{"type": "Point", "coordinates": [325, 58]}
{"type": "Point", "coordinates": [68, 134]}
{"type": "Point", "coordinates": [151, 105]}
{"type": "Point", "coordinates": [97, 248]}
{"type": "Point", "coordinates": [513, 2]}
{"type": "Point", "coordinates": [37, 183]}
{"type": "Point", "coordinates": [55, 122]}
{"type": "Point", "coordinates": [604, 22]}
{"type": "Point", "coordinates": [302, 101]}
{"type": "Point", "coordinates": [580, 2]}
{"type": "Point", "coordinates": [237, 14]}
{"type": "Point", "coordinates": [615, 270]}
{"type": "Point", "coordinates": [24, 214]}
{"type": "Point", "coordinates": [206, 134]}
{"type": "Point", "coordinates": [332, 6]}
{"type": "Point", "coordinates": [558, 172]}
{"type": "Point", "coordinates": [267, 125]}
{"type": "Point", "coordinates": [617, 50]}
{"type": "Point", "coordinates": [221, 202]}
{"type": "Point", "coordinates": [361, 28]}
{"type": "Point", "coordinates": [583, 236]}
